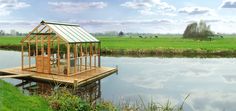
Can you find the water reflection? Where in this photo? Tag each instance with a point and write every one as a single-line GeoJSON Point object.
{"type": "Point", "coordinates": [210, 81]}
{"type": "Point", "coordinates": [90, 92]}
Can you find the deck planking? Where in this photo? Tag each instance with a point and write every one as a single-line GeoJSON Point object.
{"type": "Point", "coordinates": [78, 79]}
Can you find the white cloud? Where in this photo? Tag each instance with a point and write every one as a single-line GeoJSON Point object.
{"type": "Point", "coordinates": [76, 7]}
{"type": "Point", "coordinates": [228, 4]}
{"type": "Point", "coordinates": [196, 10]}
{"type": "Point", "coordinates": [149, 7]}
{"type": "Point", "coordinates": [7, 6]}
{"type": "Point", "coordinates": [211, 101]}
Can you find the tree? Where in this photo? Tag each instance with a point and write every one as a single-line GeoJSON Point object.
{"type": "Point", "coordinates": [198, 30]}
{"type": "Point", "coordinates": [121, 33]}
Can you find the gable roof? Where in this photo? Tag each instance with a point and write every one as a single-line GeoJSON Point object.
{"type": "Point", "coordinates": [72, 33]}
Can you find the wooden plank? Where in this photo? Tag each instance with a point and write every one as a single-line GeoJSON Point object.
{"type": "Point", "coordinates": [13, 76]}
{"type": "Point", "coordinates": [85, 77]}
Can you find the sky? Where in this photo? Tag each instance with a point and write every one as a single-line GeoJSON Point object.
{"type": "Point", "coordinates": [137, 16]}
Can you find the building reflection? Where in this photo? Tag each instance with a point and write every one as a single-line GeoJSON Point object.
{"type": "Point", "coordinates": [90, 92]}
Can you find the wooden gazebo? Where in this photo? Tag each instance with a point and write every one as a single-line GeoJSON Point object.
{"type": "Point", "coordinates": [61, 49]}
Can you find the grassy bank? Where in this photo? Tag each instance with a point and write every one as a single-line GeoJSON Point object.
{"type": "Point", "coordinates": [164, 45]}
{"type": "Point", "coordinates": [11, 99]}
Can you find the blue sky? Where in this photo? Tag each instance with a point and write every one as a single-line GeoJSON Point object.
{"type": "Point", "coordinates": [143, 16]}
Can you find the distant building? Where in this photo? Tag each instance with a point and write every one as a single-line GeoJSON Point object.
{"type": "Point", "coordinates": [13, 32]}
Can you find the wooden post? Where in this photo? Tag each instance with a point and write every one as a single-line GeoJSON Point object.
{"type": "Point", "coordinates": [81, 55]}
{"type": "Point", "coordinates": [36, 46]}
{"type": "Point", "coordinates": [75, 55]}
{"type": "Point", "coordinates": [68, 59]}
{"type": "Point", "coordinates": [22, 55]}
{"type": "Point", "coordinates": [95, 52]}
{"type": "Point", "coordinates": [86, 54]}
{"type": "Point", "coordinates": [90, 56]}
{"type": "Point", "coordinates": [99, 54]}
{"type": "Point", "coordinates": [42, 52]}
{"type": "Point", "coordinates": [49, 52]}
{"type": "Point", "coordinates": [58, 55]}
{"type": "Point", "coordinates": [29, 54]}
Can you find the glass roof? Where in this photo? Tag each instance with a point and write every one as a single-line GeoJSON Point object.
{"type": "Point", "coordinates": [71, 33]}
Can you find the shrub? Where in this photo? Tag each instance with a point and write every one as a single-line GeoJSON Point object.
{"type": "Point", "coordinates": [63, 100]}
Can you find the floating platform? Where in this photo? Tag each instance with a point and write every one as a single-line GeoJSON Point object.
{"type": "Point", "coordinates": [78, 79]}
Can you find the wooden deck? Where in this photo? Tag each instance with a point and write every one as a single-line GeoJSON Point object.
{"type": "Point", "coordinates": [79, 79]}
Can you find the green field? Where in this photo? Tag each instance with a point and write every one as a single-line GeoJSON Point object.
{"type": "Point", "coordinates": [134, 45]}
{"type": "Point", "coordinates": [167, 43]}
{"type": "Point", "coordinates": [163, 42]}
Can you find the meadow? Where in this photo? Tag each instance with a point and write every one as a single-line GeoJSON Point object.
{"type": "Point", "coordinates": [134, 45]}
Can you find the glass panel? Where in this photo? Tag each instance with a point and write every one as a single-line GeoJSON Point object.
{"type": "Point", "coordinates": [80, 37]}
{"type": "Point", "coordinates": [60, 33]}
{"type": "Point", "coordinates": [86, 39]}
{"type": "Point", "coordinates": [89, 35]}
{"type": "Point", "coordinates": [72, 34]}
{"type": "Point", "coordinates": [68, 35]}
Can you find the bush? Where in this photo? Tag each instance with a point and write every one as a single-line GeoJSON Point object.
{"type": "Point", "coordinates": [63, 100]}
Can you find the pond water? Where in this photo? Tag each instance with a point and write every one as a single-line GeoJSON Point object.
{"type": "Point", "coordinates": [211, 82]}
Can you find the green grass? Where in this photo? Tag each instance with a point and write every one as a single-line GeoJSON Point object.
{"type": "Point", "coordinates": [167, 43]}
{"type": "Point", "coordinates": [163, 42]}
{"type": "Point", "coordinates": [10, 40]}
{"type": "Point", "coordinates": [11, 99]}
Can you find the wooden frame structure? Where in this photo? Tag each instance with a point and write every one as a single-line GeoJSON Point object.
{"type": "Point", "coordinates": [61, 49]}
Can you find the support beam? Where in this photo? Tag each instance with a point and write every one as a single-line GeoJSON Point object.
{"type": "Point", "coordinates": [29, 55]}
{"type": "Point", "coordinates": [95, 56]}
{"type": "Point", "coordinates": [58, 55]}
{"type": "Point", "coordinates": [68, 59]}
{"type": "Point", "coordinates": [99, 54]}
{"type": "Point", "coordinates": [36, 46]}
{"type": "Point", "coordinates": [75, 56]}
{"type": "Point", "coordinates": [42, 52]}
{"type": "Point", "coordinates": [49, 53]}
{"type": "Point", "coordinates": [22, 55]}
{"type": "Point", "coordinates": [90, 55]}
{"type": "Point", "coordinates": [86, 54]}
{"type": "Point", "coordinates": [81, 55]}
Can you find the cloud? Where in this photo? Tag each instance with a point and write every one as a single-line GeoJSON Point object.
{"type": "Point", "coordinates": [76, 7]}
{"type": "Point", "coordinates": [228, 4]}
{"type": "Point", "coordinates": [229, 78]}
{"type": "Point", "coordinates": [149, 7]}
{"type": "Point", "coordinates": [196, 10]}
{"type": "Point", "coordinates": [212, 101]}
{"type": "Point", "coordinates": [126, 22]}
{"type": "Point", "coordinates": [7, 6]}
{"type": "Point", "coordinates": [19, 25]}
